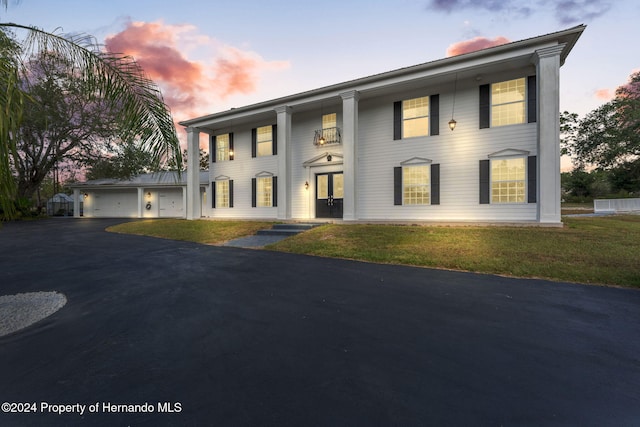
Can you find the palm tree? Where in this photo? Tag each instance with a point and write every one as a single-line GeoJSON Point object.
{"type": "Point", "coordinates": [118, 79]}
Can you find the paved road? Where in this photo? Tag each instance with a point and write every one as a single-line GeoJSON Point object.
{"type": "Point", "coordinates": [239, 337]}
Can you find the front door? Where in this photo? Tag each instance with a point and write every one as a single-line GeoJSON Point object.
{"type": "Point", "coordinates": [329, 195]}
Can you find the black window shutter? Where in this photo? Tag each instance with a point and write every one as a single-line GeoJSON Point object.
{"type": "Point", "coordinates": [274, 191]}
{"type": "Point", "coordinates": [397, 120]}
{"type": "Point", "coordinates": [213, 195]}
{"type": "Point", "coordinates": [485, 106]}
{"type": "Point", "coordinates": [230, 193]}
{"type": "Point", "coordinates": [435, 184]}
{"type": "Point", "coordinates": [214, 151]}
{"type": "Point", "coordinates": [434, 114]}
{"type": "Point", "coordinates": [397, 186]}
{"type": "Point", "coordinates": [484, 182]}
{"type": "Point", "coordinates": [254, 138]}
{"type": "Point", "coordinates": [532, 94]}
{"type": "Point", "coordinates": [253, 192]}
{"type": "Point", "coordinates": [231, 151]}
{"type": "Point", "coordinates": [274, 139]}
{"type": "Point", "coordinates": [532, 175]}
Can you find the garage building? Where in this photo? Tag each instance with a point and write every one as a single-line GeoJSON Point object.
{"type": "Point", "coordinates": [153, 195]}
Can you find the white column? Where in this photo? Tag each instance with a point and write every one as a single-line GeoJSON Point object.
{"type": "Point", "coordinates": [349, 151]}
{"type": "Point", "coordinates": [141, 202]}
{"type": "Point", "coordinates": [193, 173]}
{"type": "Point", "coordinates": [547, 62]}
{"type": "Point", "coordinates": [284, 161]}
{"type": "Point", "coordinates": [76, 203]}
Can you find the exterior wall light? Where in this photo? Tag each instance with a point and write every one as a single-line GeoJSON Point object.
{"type": "Point", "coordinates": [321, 141]}
{"type": "Point", "coordinates": [86, 195]}
{"type": "Point", "coordinates": [306, 185]}
{"type": "Point", "coordinates": [452, 122]}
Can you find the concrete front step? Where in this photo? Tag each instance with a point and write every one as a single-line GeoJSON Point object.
{"type": "Point", "coordinates": [286, 229]}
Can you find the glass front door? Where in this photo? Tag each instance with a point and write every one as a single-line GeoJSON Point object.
{"type": "Point", "coordinates": [329, 195]}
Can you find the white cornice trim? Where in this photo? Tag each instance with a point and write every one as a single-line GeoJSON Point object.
{"type": "Point", "coordinates": [416, 161]}
{"type": "Point", "coordinates": [317, 160]}
{"type": "Point", "coordinates": [509, 152]}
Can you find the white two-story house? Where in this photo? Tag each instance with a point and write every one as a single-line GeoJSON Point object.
{"type": "Point", "coordinates": [469, 138]}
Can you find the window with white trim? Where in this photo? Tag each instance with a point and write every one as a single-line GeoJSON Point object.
{"type": "Point", "coordinates": [222, 194]}
{"type": "Point", "coordinates": [508, 180]}
{"type": "Point", "coordinates": [264, 141]}
{"type": "Point", "coordinates": [415, 117]}
{"type": "Point", "coordinates": [416, 185]}
{"type": "Point", "coordinates": [264, 191]}
{"type": "Point", "coordinates": [222, 147]}
{"type": "Point", "coordinates": [508, 102]}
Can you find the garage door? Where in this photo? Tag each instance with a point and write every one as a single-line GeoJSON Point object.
{"type": "Point", "coordinates": [171, 203]}
{"type": "Point", "coordinates": [116, 204]}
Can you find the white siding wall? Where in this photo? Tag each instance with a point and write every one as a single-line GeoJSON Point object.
{"type": "Point", "coordinates": [458, 152]}
{"type": "Point", "coordinates": [241, 170]}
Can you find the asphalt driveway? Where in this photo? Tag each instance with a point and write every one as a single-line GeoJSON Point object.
{"type": "Point", "coordinates": [199, 335]}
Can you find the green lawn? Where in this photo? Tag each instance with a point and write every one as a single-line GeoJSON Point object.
{"type": "Point", "coordinates": [601, 250]}
{"type": "Point", "coordinates": [208, 232]}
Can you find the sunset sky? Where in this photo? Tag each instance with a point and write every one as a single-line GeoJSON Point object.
{"type": "Point", "coordinates": [209, 56]}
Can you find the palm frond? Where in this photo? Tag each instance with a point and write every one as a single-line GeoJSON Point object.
{"type": "Point", "coordinates": [119, 80]}
{"type": "Point", "coordinates": [11, 104]}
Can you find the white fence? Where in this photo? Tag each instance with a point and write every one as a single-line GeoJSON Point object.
{"type": "Point", "coordinates": [616, 205]}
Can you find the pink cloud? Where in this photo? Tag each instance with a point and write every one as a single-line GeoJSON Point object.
{"type": "Point", "coordinates": [476, 43]}
{"type": "Point", "coordinates": [604, 94]}
{"type": "Point", "coordinates": [190, 86]}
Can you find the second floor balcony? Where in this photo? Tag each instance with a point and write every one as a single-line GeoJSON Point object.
{"type": "Point", "coordinates": [327, 136]}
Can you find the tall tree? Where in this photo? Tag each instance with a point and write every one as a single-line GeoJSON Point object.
{"type": "Point", "coordinates": [117, 79]}
{"type": "Point", "coordinates": [610, 134]}
{"type": "Point", "coordinates": [63, 124]}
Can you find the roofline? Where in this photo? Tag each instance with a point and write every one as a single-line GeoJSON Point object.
{"type": "Point", "coordinates": [569, 37]}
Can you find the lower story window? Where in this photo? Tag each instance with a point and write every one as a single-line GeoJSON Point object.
{"type": "Point", "coordinates": [508, 180]}
{"type": "Point", "coordinates": [264, 192]}
{"type": "Point", "coordinates": [222, 194]}
{"type": "Point", "coordinates": [416, 185]}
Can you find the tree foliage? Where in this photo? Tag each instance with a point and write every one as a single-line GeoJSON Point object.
{"type": "Point", "coordinates": [117, 80]}
{"type": "Point", "coordinates": [608, 136]}
{"type": "Point", "coordinates": [63, 125]}
{"type": "Point", "coordinates": [126, 160]}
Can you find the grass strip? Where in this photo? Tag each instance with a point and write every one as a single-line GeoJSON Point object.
{"type": "Point", "coordinates": [603, 250]}
{"type": "Point", "coordinates": [596, 250]}
{"type": "Point", "coordinates": [207, 232]}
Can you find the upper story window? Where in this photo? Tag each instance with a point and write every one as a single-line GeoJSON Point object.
{"type": "Point", "coordinates": [264, 141]}
{"type": "Point", "coordinates": [508, 102]}
{"type": "Point", "coordinates": [416, 117]}
{"type": "Point", "coordinates": [222, 147]}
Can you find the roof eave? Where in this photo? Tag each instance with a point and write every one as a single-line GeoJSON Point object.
{"type": "Point", "coordinates": [569, 37]}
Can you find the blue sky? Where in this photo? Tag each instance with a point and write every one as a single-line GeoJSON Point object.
{"type": "Point", "coordinates": [240, 52]}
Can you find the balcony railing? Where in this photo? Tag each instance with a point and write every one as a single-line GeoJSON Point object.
{"type": "Point", "coordinates": [327, 136]}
